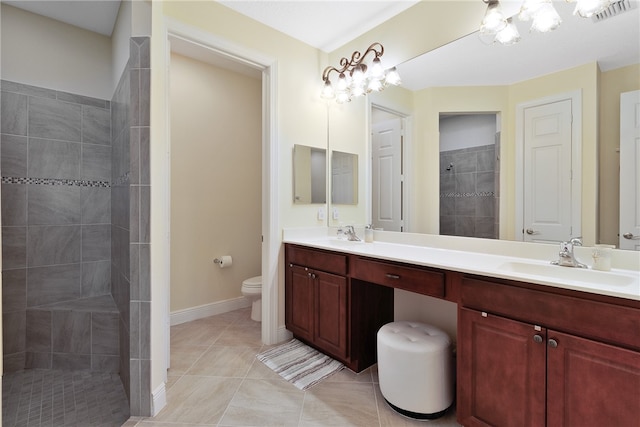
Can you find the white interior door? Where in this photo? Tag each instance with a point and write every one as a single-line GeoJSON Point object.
{"type": "Point", "coordinates": [343, 179]}
{"type": "Point", "coordinates": [629, 174]}
{"type": "Point", "coordinates": [386, 175]}
{"type": "Point", "coordinates": [547, 193]}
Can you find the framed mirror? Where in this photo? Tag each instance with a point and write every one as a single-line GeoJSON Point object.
{"type": "Point", "coordinates": [344, 178]}
{"type": "Point", "coordinates": [309, 175]}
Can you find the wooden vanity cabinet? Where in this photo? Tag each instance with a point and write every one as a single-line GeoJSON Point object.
{"type": "Point", "coordinates": [525, 359]}
{"type": "Point", "coordinates": [317, 308]}
{"type": "Point", "coordinates": [328, 310]}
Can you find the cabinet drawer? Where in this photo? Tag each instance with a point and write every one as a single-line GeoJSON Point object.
{"type": "Point", "coordinates": [399, 276]}
{"type": "Point", "coordinates": [606, 322]}
{"type": "Point", "coordinates": [317, 259]}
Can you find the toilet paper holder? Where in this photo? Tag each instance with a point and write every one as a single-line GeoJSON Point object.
{"type": "Point", "coordinates": [223, 261]}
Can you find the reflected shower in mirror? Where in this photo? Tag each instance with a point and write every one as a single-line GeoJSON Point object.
{"type": "Point", "coordinates": [469, 175]}
{"type": "Point", "coordinates": [309, 175]}
{"type": "Point", "coordinates": [344, 178]}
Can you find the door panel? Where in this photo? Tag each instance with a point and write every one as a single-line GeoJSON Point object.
{"type": "Point", "coordinates": [299, 302]}
{"type": "Point", "coordinates": [591, 383]}
{"type": "Point", "coordinates": [331, 313]}
{"type": "Point", "coordinates": [386, 174]}
{"type": "Point", "coordinates": [547, 172]}
{"type": "Point", "coordinates": [502, 374]}
{"type": "Point", "coordinates": [629, 174]}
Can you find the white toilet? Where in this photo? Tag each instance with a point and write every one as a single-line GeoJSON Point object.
{"type": "Point", "coordinates": [252, 289]}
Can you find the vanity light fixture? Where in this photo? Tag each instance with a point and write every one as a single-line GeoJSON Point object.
{"type": "Point", "coordinates": [541, 13]}
{"type": "Point", "coordinates": [355, 77]}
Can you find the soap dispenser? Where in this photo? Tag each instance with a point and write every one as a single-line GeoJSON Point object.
{"type": "Point", "coordinates": [368, 233]}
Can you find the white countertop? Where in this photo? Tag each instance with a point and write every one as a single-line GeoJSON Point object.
{"type": "Point", "coordinates": [527, 262]}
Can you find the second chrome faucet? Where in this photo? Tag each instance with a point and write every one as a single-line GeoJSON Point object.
{"type": "Point", "coordinates": [566, 256]}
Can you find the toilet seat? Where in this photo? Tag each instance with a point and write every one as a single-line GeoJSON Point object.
{"type": "Point", "coordinates": [253, 282]}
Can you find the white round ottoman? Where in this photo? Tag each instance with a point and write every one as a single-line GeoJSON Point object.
{"type": "Point", "coordinates": [415, 369]}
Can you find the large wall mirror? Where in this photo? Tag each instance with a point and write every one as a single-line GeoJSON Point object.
{"type": "Point", "coordinates": [470, 77]}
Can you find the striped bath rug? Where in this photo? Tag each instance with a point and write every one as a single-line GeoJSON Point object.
{"type": "Point", "coordinates": [299, 364]}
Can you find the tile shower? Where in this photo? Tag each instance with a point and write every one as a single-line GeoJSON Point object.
{"type": "Point", "coordinates": [469, 196]}
{"type": "Point", "coordinates": [75, 229]}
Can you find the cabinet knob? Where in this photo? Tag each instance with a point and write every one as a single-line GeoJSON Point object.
{"type": "Point", "coordinates": [553, 343]}
{"type": "Point", "coordinates": [537, 338]}
{"type": "Point", "coordinates": [392, 276]}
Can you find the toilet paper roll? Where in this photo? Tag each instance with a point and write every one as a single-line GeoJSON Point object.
{"type": "Point", "coordinates": [224, 261]}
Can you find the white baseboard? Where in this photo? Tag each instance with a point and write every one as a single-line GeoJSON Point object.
{"type": "Point", "coordinates": [159, 399]}
{"type": "Point", "coordinates": [284, 334]}
{"type": "Point", "coordinates": [206, 310]}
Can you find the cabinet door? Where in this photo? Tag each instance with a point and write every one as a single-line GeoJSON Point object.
{"type": "Point", "coordinates": [299, 302]}
{"type": "Point", "coordinates": [501, 371]}
{"type": "Point", "coordinates": [331, 313]}
{"type": "Point", "coordinates": [591, 383]}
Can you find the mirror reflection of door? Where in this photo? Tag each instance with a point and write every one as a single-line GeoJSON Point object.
{"type": "Point", "coordinates": [469, 175]}
{"type": "Point", "coordinates": [344, 178]}
{"type": "Point", "coordinates": [386, 170]}
{"type": "Point", "coordinates": [547, 165]}
{"type": "Point", "coordinates": [629, 161]}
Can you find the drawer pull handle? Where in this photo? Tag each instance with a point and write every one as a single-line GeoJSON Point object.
{"type": "Point", "coordinates": [392, 276]}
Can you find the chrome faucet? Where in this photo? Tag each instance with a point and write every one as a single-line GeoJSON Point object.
{"type": "Point", "coordinates": [351, 234]}
{"type": "Point", "coordinates": [566, 257]}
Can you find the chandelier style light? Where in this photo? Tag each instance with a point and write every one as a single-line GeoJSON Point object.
{"type": "Point", "coordinates": [541, 13]}
{"type": "Point", "coordinates": [355, 77]}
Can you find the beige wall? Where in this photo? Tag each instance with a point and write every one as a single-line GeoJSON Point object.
{"type": "Point", "coordinates": [216, 202]}
{"type": "Point", "coordinates": [612, 84]}
{"type": "Point", "coordinates": [585, 79]}
{"type": "Point", "coordinates": [43, 52]}
{"type": "Point", "coordinates": [301, 119]}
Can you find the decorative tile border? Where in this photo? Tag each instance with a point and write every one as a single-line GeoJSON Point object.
{"type": "Point", "coordinates": [480, 194]}
{"type": "Point", "coordinates": [123, 179]}
{"type": "Point", "coordinates": [53, 181]}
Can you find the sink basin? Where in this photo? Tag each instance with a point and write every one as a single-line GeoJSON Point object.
{"type": "Point", "coordinates": [578, 275]}
{"type": "Point", "coordinates": [339, 242]}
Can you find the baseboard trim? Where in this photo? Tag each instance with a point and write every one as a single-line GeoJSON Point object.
{"type": "Point", "coordinates": [159, 399]}
{"type": "Point", "coordinates": [283, 334]}
{"type": "Point", "coordinates": [206, 310]}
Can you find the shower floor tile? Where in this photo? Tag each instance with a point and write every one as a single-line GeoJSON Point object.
{"type": "Point", "coordinates": [38, 397]}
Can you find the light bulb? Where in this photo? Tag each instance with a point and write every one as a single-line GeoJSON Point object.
{"type": "Point", "coordinates": [509, 34]}
{"type": "Point", "coordinates": [342, 82]}
{"type": "Point", "coordinates": [342, 97]}
{"type": "Point", "coordinates": [529, 9]}
{"type": "Point", "coordinates": [494, 19]}
{"type": "Point", "coordinates": [392, 78]}
{"type": "Point", "coordinates": [327, 90]}
{"type": "Point", "coordinates": [546, 18]}
{"type": "Point", "coordinates": [359, 75]}
{"type": "Point", "coordinates": [375, 85]}
{"type": "Point", "coordinates": [376, 68]}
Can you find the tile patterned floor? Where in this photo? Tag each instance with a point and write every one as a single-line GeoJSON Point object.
{"type": "Point", "coordinates": [216, 380]}
{"type": "Point", "coordinates": [38, 397]}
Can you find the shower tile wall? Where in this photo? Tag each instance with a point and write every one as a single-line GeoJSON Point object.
{"type": "Point", "coordinates": [131, 286]}
{"type": "Point", "coordinates": [468, 202]}
{"type": "Point", "coordinates": [56, 164]}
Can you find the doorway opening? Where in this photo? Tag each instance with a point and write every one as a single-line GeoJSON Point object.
{"type": "Point", "coordinates": [469, 174]}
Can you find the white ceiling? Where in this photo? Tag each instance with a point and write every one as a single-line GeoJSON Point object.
{"type": "Point", "coordinates": [329, 24]}
{"type": "Point", "coordinates": [98, 16]}
{"type": "Point", "coordinates": [324, 24]}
